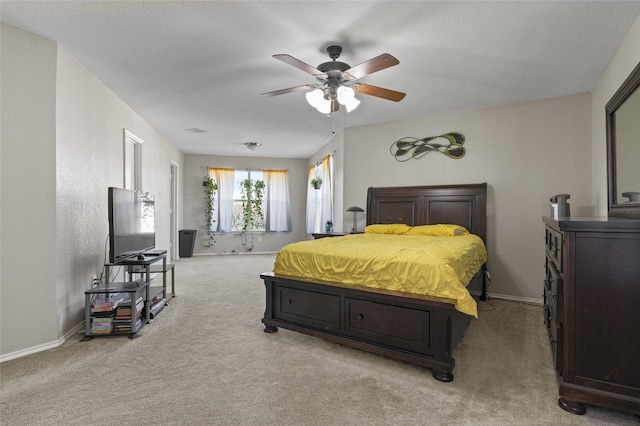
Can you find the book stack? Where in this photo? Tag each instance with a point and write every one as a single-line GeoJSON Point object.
{"type": "Point", "coordinates": [102, 315]}
{"type": "Point", "coordinates": [157, 304]}
{"type": "Point", "coordinates": [126, 321]}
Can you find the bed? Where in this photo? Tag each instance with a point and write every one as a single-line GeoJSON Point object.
{"type": "Point", "coordinates": [420, 329]}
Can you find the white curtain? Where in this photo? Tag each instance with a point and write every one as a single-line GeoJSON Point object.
{"type": "Point", "coordinates": [320, 202]}
{"type": "Point", "coordinates": [224, 200]}
{"type": "Point", "coordinates": [278, 213]}
{"type": "Point", "coordinates": [311, 202]}
{"type": "Point", "coordinates": [326, 208]}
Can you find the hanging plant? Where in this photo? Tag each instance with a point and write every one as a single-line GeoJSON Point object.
{"type": "Point", "coordinates": [252, 194]}
{"type": "Point", "coordinates": [210, 189]}
{"type": "Point", "coordinates": [258, 195]}
{"type": "Point", "coordinates": [316, 182]}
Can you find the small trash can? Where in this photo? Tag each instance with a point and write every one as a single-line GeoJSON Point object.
{"type": "Point", "coordinates": [187, 242]}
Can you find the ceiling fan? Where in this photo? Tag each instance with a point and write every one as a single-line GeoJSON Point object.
{"type": "Point", "coordinates": [337, 81]}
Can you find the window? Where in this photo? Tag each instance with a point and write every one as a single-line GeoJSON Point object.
{"type": "Point", "coordinates": [270, 210]}
{"type": "Point", "coordinates": [245, 184]}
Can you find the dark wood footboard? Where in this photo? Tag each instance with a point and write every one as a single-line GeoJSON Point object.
{"type": "Point", "coordinates": [415, 330]}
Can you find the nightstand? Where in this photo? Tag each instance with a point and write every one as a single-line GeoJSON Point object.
{"type": "Point", "coordinates": [318, 235]}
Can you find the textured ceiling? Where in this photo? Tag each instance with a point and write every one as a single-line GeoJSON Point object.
{"type": "Point", "coordinates": [191, 64]}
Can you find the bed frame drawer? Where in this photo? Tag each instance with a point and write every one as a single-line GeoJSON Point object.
{"type": "Point", "coordinates": [397, 326]}
{"type": "Point", "coordinates": [311, 308]}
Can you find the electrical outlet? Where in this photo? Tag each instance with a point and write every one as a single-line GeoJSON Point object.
{"type": "Point", "coordinates": [259, 239]}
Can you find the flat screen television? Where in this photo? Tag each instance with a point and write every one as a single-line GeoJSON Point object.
{"type": "Point", "coordinates": [131, 224]}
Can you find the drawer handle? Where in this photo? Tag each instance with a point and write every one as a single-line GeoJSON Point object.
{"type": "Point", "coordinates": [360, 316]}
{"type": "Point", "coordinates": [289, 302]}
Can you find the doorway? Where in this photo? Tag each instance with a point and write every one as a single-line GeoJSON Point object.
{"type": "Point", "coordinates": [173, 211]}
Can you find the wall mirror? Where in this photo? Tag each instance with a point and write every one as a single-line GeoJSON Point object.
{"type": "Point", "coordinates": [623, 148]}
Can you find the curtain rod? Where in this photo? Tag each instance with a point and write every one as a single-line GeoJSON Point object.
{"type": "Point", "coordinates": [329, 155]}
{"type": "Point", "coordinates": [245, 170]}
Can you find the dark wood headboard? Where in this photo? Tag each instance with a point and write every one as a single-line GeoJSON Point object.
{"type": "Point", "coordinates": [464, 205]}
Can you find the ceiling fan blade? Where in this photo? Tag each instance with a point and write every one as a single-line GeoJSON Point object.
{"type": "Point", "coordinates": [369, 67]}
{"type": "Point", "coordinates": [288, 59]}
{"type": "Point", "coordinates": [367, 89]}
{"type": "Point", "coordinates": [289, 90]}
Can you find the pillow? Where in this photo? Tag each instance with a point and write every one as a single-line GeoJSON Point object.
{"type": "Point", "coordinates": [440, 230]}
{"type": "Point", "coordinates": [391, 228]}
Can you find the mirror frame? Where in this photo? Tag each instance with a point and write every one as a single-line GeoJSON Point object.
{"type": "Point", "coordinates": [629, 86]}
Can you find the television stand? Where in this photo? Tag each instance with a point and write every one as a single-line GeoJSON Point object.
{"type": "Point", "coordinates": [142, 300]}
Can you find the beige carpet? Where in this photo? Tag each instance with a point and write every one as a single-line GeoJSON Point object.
{"type": "Point", "coordinates": [206, 361]}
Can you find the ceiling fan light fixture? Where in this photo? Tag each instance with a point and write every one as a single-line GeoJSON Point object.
{"type": "Point", "coordinates": [324, 107]}
{"type": "Point", "coordinates": [346, 97]}
{"type": "Point", "coordinates": [335, 79]}
{"type": "Point", "coordinates": [316, 99]}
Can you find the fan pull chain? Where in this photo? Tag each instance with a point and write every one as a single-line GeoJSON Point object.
{"type": "Point", "coordinates": [333, 123]}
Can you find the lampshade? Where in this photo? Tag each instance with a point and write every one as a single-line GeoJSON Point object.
{"type": "Point", "coordinates": [346, 97]}
{"type": "Point", "coordinates": [354, 209]}
{"type": "Point", "coordinates": [317, 100]}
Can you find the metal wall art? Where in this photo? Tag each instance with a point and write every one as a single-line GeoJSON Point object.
{"type": "Point", "coordinates": [407, 148]}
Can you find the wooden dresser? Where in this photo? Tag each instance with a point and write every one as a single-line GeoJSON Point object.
{"type": "Point", "coordinates": [592, 311]}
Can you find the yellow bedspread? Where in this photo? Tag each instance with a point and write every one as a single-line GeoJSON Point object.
{"type": "Point", "coordinates": [426, 265]}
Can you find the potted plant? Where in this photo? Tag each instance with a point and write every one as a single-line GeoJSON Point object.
{"type": "Point", "coordinates": [328, 227]}
{"type": "Point", "coordinates": [316, 182]}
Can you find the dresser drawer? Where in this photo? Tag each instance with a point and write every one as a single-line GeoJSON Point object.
{"type": "Point", "coordinates": [553, 243]}
{"type": "Point", "coordinates": [408, 329]}
{"type": "Point", "coordinates": [311, 308]}
{"type": "Point", "coordinates": [548, 320]}
{"type": "Point", "coordinates": [555, 288]}
{"type": "Point", "coordinates": [555, 330]}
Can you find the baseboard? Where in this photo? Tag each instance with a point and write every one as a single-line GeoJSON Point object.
{"type": "Point", "coordinates": [235, 254]}
{"type": "Point", "coordinates": [527, 300]}
{"type": "Point", "coordinates": [43, 347]}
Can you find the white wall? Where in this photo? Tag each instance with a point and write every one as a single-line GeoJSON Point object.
{"type": "Point", "coordinates": [195, 169]}
{"type": "Point", "coordinates": [66, 149]}
{"type": "Point", "coordinates": [625, 60]}
{"type": "Point", "coordinates": [526, 153]}
{"type": "Point", "coordinates": [28, 305]}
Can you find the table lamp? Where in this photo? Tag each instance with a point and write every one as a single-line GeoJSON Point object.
{"type": "Point", "coordinates": [354, 210]}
